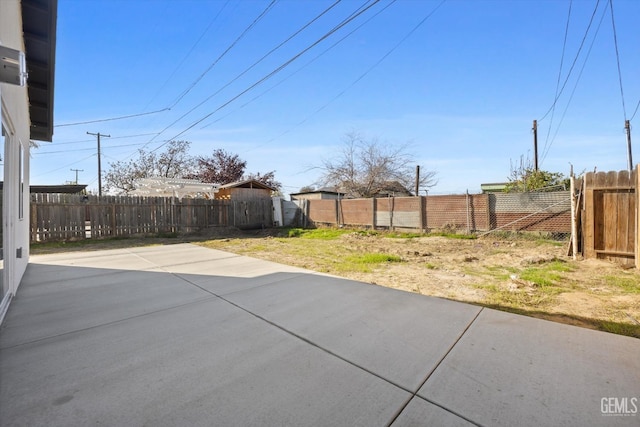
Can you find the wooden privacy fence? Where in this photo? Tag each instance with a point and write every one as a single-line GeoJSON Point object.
{"type": "Point", "coordinates": [546, 212]}
{"type": "Point", "coordinates": [609, 213]}
{"type": "Point", "coordinates": [73, 217]}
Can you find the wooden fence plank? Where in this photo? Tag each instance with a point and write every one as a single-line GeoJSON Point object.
{"type": "Point", "coordinates": [61, 217]}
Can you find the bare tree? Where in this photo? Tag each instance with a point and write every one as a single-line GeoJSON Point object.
{"type": "Point", "coordinates": [366, 168]}
{"type": "Point", "coordinates": [174, 162]}
{"type": "Point", "coordinates": [268, 178]}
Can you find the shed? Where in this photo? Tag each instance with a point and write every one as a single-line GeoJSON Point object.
{"type": "Point", "coordinates": [243, 190]}
{"type": "Point", "coordinates": [318, 195]}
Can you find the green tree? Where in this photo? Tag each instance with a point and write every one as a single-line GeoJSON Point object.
{"type": "Point", "coordinates": [524, 177]}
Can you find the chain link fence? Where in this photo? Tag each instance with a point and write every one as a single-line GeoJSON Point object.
{"type": "Point", "coordinates": [545, 212]}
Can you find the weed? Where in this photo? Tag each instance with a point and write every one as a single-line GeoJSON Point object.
{"type": "Point", "coordinates": [619, 328]}
{"type": "Point", "coordinates": [167, 235]}
{"type": "Point", "coordinates": [400, 235]}
{"type": "Point", "coordinates": [373, 258]}
{"type": "Point", "coordinates": [627, 284]}
{"type": "Point", "coordinates": [453, 235]}
{"type": "Point", "coordinates": [547, 274]}
{"type": "Point", "coordinates": [317, 233]}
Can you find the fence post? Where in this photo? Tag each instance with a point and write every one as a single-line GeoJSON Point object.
{"type": "Point", "coordinates": [574, 220]}
{"type": "Point", "coordinates": [421, 213]}
{"type": "Point", "coordinates": [636, 184]}
{"type": "Point", "coordinates": [373, 213]}
{"type": "Point", "coordinates": [488, 201]}
{"type": "Point", "coordinates": [468, 213]}
{"type": "Point", "coordinates": [114, 223]}
{"type": "Point", "coordinates": [391, 206]}
{"type": "Point", "coordinates": [426, 214]}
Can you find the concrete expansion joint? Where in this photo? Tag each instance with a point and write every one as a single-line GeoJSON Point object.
{"type": "Point", "coordinates": [414, 394]}
{"type": "Point", "coordinates": [115, 322]}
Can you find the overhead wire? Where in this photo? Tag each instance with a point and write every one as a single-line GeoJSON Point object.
{"type": "Point", "coordinates": [635, 111]}
{"type": "Point", "coordinates": [112, 118]}
{"type": "Point", "coordinates": [363, 75]}
{"type": "Point", "coordinates": [227, 50]}
{"type": "Point", "coordinates": [90, 148]}
{"type": "Point", "coordinates": [65, 166]}
{"type": "Point", "coordinates": [564, 46]}
{"type": "Point", "coordinates": [93, 139]}
{"type": "Point", "coordinates": [573, 91]}
{"type": "Point", "coordinates": [615, 42]}
{"type": "Point", "coordinates": [252, 66]}
{"type": "Point", "coordinates": [573, 63]}
{"type": "Point", "coordinates": [276, 70]}
{"type": "Point", "coordinates": [189, 52]}
{"type": "Point", "coordinates": [301, 68]}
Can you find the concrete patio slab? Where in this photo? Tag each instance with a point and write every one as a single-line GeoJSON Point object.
{"type": "Point", "coordinates": [508, 370]}
{"type": "Point", "coordinates": [390, 332]}
{"type": "Point", "coordinates": [103, 296]}
{"type": "Point", "coordinates": [179, 368]}
{"type": "Point", "coordinates": [193, 336]}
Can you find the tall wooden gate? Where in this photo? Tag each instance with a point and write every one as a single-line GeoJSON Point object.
{"type": "Point", "coordinates": [610, 218]}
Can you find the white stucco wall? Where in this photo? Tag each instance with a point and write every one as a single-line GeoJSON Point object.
{"type": "Point", "coordinates": [16, 123]}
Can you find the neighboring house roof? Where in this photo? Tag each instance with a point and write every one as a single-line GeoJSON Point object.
{"type": "Point", "coordinates": [54, 189]}
{"type": "Point", "coordinates": [336, 193]}
{"type": "Point", "coordinates": [493, 187]}
{"type": "Point", "coordinates": [57, 189]}
{"type": "Point", "coordinates": [393, 188]}
{"type": "Point", "coordinates": [174, 187]}
{"type": "Point", "coordinates": [39, 21]}
{"type": "Point", "coordinates": [249, 183]}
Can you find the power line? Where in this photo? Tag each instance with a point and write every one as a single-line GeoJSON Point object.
{"type": "Point", "coordinates": [564, 45]}
{"type": "Point", "coordinates": [547, 147]}
{"type": "Point", "coordinates": [251, 66]}
{"type": "Point", "coordinates": [194, 83]}
{"type": "Point", "coordinates": [90, 148]}
{"type": "Point", "coordinates": [273, 50]}
{"type": "Point", "coordinates": [65, 166]}
{"type": "Point", "coordinates": [175, 70]}
{"type": "Point", "coordinates": [278, 69]}
{"type": "Point", "coordinates": [363, 75]}
{"type": "Point", "coordinates": [91, 140]}
{"type": "Point", "coordinates": [299, 70]}
{"type": "Point", "coordinates": [635, 111]}
{"type": "Point", "coordinates": [573, 64]}
{"type": "Point", "coordinates": [231, 46]}
{"type": "Point", "coordinates": [112, 118]}
{"type": "Point", "coordinates": [615, 42]}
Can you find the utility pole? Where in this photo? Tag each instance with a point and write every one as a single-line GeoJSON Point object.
{"type": "Point", "coordinates": [535, 145]}
{"type": "Point", "coordinates": [76, 171]}
{"type": "Point", "coordinates": [99, 161]}
{"type": "Point", "coordinates": [417, 180]}
{"type": "Point", "coordinates": [627, 128]}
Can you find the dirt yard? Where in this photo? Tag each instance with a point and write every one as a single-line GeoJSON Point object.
{"type": "Point", "coordinates": [532, 277]}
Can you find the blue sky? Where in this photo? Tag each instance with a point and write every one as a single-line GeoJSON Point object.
{"type": "Point", "coordinates": [460, 81]}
